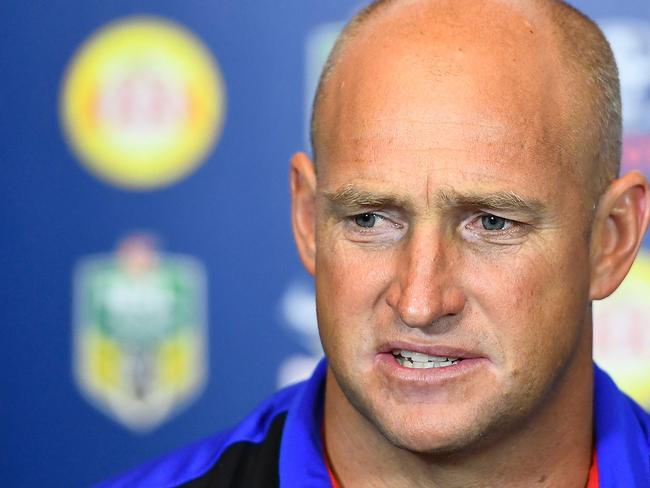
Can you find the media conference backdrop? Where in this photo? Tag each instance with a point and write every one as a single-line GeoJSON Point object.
{"type": "Point", "coordinates": [151, 291]}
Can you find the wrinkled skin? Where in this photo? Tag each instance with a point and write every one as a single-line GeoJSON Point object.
{"type": "Point", "coordinates": [449, 214]}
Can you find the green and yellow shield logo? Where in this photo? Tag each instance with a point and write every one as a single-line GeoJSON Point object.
{"type": "Point", "coordinates": [140, 332]}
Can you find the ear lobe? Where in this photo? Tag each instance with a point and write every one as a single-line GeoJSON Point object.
{"type": "Point", "coordinates": [302, 180]}
{"type": "Point", "coordinates": [620, 224]}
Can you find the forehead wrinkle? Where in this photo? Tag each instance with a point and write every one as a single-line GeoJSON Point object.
{"type": "Point", "coordinates": [508, 136]}
{"type": "Point", "coordinates": [419, 134]}
{"type": "Point", "coordinates": [523, 17]}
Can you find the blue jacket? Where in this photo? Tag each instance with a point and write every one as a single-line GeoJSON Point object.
{"type": "Point", "coordinates": [280, 444]}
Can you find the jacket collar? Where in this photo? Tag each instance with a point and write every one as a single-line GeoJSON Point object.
{"type": "Point", "coordinates": [622, 436]}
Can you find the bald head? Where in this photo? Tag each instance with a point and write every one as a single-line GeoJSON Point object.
{"type": "Point", "coordinates": [540, 58]}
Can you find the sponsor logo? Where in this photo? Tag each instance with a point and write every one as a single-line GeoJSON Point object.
{"type": "Point", "coordinates": [622, 321]}
{"type": "Point", "coordinates": [298, 312]}
{"type": "Point", "coordinates": [630, 41]}
{"type": "Point", "coordinates": [142, 103]}
{"type": "Point", "coordinates": [139, 332]}
{"type": "Point", "coordinates": [622, 335]}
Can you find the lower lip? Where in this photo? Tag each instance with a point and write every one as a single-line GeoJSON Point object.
{"type": "Point", "coordinates": [387, 363]}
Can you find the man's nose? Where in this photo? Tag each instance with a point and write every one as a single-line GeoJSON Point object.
{"type": "Point", "coordinates": [425, 286]}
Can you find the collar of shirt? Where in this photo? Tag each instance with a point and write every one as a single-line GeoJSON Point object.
{"type": "Point", "coordinates": [621, 432]}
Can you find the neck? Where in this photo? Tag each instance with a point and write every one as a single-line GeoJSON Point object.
{"type": "Point", "coordinates": [552, 447]}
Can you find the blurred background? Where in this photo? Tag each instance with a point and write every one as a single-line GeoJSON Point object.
{"type": "Point", "coordinates": [151, 293]}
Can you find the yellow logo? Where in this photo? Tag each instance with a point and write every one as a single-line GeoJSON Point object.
{"type": "Point", "coordinates": [622, 335]}
{"type": "Point", "coordinates": [142, 103]}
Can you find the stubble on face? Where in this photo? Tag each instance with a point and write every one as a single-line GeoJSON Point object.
{"type": "Point", "coordinates": [421, 102]}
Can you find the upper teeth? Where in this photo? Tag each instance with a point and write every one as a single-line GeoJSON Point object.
{"type": "Point", "coordinates": [412, 359]}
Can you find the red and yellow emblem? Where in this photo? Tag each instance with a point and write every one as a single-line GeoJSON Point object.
{"type": "Point", "coordinates": [142, 103]}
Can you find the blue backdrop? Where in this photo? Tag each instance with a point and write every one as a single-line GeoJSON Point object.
{"type": "Point", "coordinates": [230, 215]}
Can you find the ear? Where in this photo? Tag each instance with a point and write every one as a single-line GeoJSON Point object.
{"type": "Point", "coordinates": [619, 226]}
{"type": "Point", "coordinates": [302, 179]}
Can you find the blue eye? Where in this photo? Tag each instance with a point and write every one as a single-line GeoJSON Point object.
{"type": "Point", "coordinates": [366, 220]}
{"type": "Point", "coordinates": [492, 222]}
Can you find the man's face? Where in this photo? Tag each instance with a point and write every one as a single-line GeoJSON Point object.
{"type": "Point", "coordinates": [452, 257]}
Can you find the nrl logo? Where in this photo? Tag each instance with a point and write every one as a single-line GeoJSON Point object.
{"type": "Point", "coordinates": [139, 332]}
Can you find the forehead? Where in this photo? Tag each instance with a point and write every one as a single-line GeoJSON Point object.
{"type": "Point", "coordinates": [425, 90]}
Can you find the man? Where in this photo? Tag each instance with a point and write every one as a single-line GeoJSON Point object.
{"type": "Point", "coordinates": [461, 214]}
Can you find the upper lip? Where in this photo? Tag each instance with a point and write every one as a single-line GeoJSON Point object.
{"type": "Point", "coordinates": [439, 350]}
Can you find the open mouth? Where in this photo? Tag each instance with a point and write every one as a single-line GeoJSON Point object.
{"type": "Point", "coordinates": [418, 360]}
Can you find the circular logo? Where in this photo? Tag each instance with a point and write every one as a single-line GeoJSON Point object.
{"type": "Point", "coordinates": [142, 103]}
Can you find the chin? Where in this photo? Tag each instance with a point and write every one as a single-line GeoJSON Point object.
{"type": "Point", "coordinates": [419, 433]}
{"type": "Point", "coordinates": [440, 430]}
{"type": "Point", "coordinates": [419, 429]}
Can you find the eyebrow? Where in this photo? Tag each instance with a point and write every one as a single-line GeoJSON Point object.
{"type": "Point", "coordinates": [499, 200]}
{"type": "Point", "coordinates": [351, 196]}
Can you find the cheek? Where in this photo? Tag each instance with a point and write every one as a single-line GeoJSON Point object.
{"type": "Point", "coordinates": [536, 309]}
{"type": "Point", "coordinates": [349, 275]}
{"type": "Point", "coordinates": [350, 285]}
